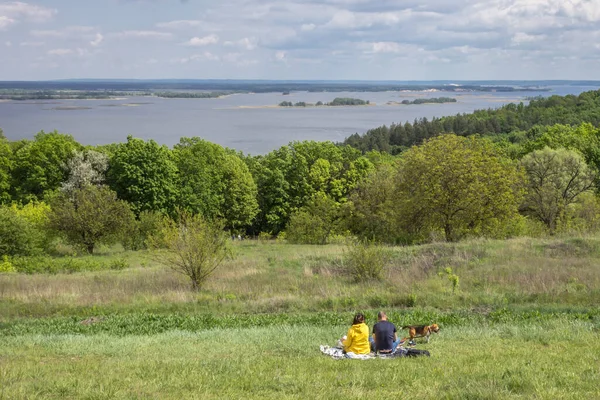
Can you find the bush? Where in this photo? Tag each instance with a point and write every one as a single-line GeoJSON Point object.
{"type": "Point", "coordinates": [119, 264]}
{"type": "Point", "coordinates": [17, 235]}
{"type": "Point", "coordinates": [193, 247]}
{"type": "Point", "coordinates": [149, 223]}
{"type": "Point", "coordinates": [315, 222]}
{"type": "Point", "coordinates": [366, 261]}
{"type": "Point", "coordinates": [6, 266]}
{"type": "Point", "coordinates": [50, 265]}
{"type": "Point", "coordinates": [36, 214]}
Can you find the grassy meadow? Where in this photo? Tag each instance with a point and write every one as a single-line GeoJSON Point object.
{"type": "Point", "coordinates": [521, 321]}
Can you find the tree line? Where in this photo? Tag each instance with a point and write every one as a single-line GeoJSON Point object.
{"type": "Point", "coordinates": [507, 122]}
{"type": "Point", "coordinates": [449, 187]}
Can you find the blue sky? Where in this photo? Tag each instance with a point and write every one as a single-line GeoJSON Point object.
{"type": "Point", "coordinates": [300, 39]}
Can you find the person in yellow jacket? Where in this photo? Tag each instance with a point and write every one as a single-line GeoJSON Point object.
{"type": "Point", "coordinates": [357, 339]}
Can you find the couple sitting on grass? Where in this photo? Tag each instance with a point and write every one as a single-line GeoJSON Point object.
{"type": "Point", "coordinates": [384, 339]}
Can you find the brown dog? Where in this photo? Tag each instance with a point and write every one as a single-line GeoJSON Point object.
{"type": "Point", "coordinates": [415, 331]}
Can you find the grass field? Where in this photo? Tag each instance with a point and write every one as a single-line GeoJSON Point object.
{"type": "Point", "coordinates": [523, 323]}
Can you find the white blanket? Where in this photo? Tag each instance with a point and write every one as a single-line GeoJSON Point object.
{"type": "Point", "coordinates": [337, 353]}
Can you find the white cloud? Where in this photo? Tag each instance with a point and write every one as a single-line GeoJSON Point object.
{"type": "Point", "coordinates": [208, 56]}
{"type": "Point", "coordinates": [144, 34]}
{"type": "Point", "coordinates": [17, 10]}
{"type": "Point", "coordinates": [8, 43]}
{"type": "Point", "coordinates": [247, 43]}
{"type": "Point", "coordinates": [345, 19]}
{"type": "Point", "coordinates": [96, 42]}
{"type": "Point", "coordinates": [211, 57]}
{"type": "Point", "coordinates": [60, 52]}
{"type": "Point", "coordinates": [280, 55]}
{"type": "Point", "coordinates": [69, 31]}
{"type": "Point", "coordinates": [5, 22]}
{"type": "Point", "coordinates": [386, 47]}
{"type": "Point", "coordinates": [203, 41]}
{"type": "Point", "coordinates": [308, 27]}
{"type": "Point", "coordinates": [31, 44]}
{"type": "Point", "coordinates": [520, 38]}
{"type": "Point", "coordinates": [180, 24]}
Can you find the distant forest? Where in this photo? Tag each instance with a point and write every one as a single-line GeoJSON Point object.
{"type": "Point", "coordinates": [508, 122]}
{"type": "Point", "coordinates": [272, 86]}
{"type": "Point", "coordinates": [432, 100]}
{"type": "Point", "coordinates": [338, 101]}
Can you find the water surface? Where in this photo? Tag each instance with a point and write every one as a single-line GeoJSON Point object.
{"type": "Point", "coordinates": [228, 122]}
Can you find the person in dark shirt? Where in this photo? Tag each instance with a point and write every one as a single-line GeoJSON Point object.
{"type": "Point", "coordinates": [385, 337]}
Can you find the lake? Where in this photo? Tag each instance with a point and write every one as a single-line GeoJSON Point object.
{"type": "Point", "coordinates": [243, 121]}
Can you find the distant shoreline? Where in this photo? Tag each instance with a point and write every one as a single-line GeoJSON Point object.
{"type": "Point", "coordinates": [308, 106]}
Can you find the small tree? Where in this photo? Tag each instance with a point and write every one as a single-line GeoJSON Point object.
{"type": "Point", "coordinates": [194, 247]}
{"type": "Point", "coordinates": [89, 216]}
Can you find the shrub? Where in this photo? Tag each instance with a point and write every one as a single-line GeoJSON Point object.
{"type": "Point", "coordinates": [193, 247]}
{"type": "Point", "coordinates": [366, 261]}
{"type": "Point", "coordinates": [264, 236]}
{"type": "Point", "coordinates": [119, 264]}
{"type": "Point", "coordinates": [36, 214]}
{"type": "Point", "coordinates": [149, 223]}
{"type": "Point", "coordinates": [17, 235]}
{"type": "Point", "coordinates": [452, 278]}
{"type": "Point", "coordinates": [6, 266]}
{"type": "Point", "coordinates": [315, 222]}
{"type": "Point", "coordinates": [50, 265]}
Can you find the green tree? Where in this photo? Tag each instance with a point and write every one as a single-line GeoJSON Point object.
{"type": "Point", "coordinates": [90, 216]}
{"type": "Point", "coordinates": [556, 178]}
{"type": "Point", "coordinates": [374, 212]}
{"type": "Point", "coordinates": [240, 204]}
{"type": "Point", "coordinates": [145, 175]}
{"type": "Point", "coordinates": [194, 247]}
{"type": "Point", "coordinates": [290, 176]}
{"type": "Point", "coordinates": [316, 221]}
{"type": "Point", "coordinates": [6, 163]}
{"type": "Point", "coordinates": [39, 165]}
{"type": "Point", "coordinates": [457, 185]}
{"type": "Point", "coordinates": [215, 183]}
{"type": "Point", "coordinates": [584, 138]}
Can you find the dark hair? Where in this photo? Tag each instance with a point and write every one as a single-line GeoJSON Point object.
{"type": "Point", "coordinates": [359, 318]}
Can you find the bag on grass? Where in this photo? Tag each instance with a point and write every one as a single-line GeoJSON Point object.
{"type": "Point", "coordinates": [416, 353]}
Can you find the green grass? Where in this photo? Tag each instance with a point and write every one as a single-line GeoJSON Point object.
{"type": "Point", "coordinates": [552, 359]}
{"type": "Point", "coordinates": [523, 322]}
{"type": "Point", "coordinates": [276, 278]}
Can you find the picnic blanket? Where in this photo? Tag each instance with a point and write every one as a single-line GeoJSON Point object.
{"type": "Point", "coordinates": [337, 353]}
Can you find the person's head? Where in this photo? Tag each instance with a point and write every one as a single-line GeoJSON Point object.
{"type": "Point", "coordinates": [381, 316]}
{"type": "Point", "coordinates": [359, 318]}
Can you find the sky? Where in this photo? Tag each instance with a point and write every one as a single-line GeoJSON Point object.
{"type": "Point", "coordinates": [300, 39]}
